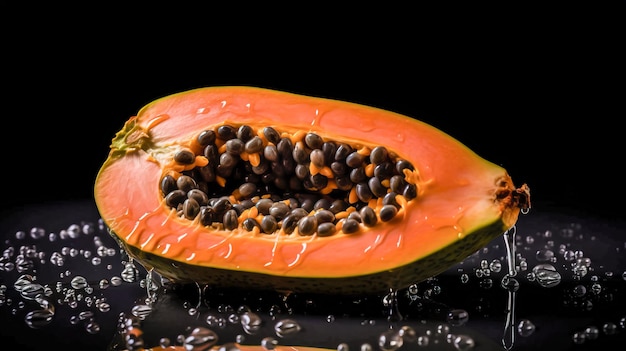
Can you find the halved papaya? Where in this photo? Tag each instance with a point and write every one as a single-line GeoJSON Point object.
{"type": "Point", "coordinates": [249, 187]}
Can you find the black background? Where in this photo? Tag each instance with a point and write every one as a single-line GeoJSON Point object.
{"type": "Point", "coordinates": [537, 90]}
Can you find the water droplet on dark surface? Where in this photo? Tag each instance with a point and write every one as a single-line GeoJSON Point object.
{"type": "Point", "coordinates": [39, 318]}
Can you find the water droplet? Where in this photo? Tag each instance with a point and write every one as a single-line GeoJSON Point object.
{"type": "Point", "coordinates": [103, 284]}
{"type": "Point", "coordinates": [39, 318]}
{"type": "Point", "coordinates": [31, 291]}
{"type": "Point", "coordinates": [79, 282]}
{"type": "Point", "coordinates": [20, 234]}
{"type": "Point", "coordinates": [134, 342]}
{"type": "Point", "coordinates": [116, 281]}
{"type": "Point", "coordinates": [212, 320]}
{"type": "Point", "coordinates": [579, 290]}
{"type": "Point", "coordinates": [546, 275]}
{"type": "Point", "coordinates": [423, 340]}
{"type": "Point", "coordinates": [343, 347]}
{"type": "Point", "coordinates": [23, 264]}
{"type": "Point", "coordinates": [463, 343]}
{"type": "Point", "coordinates": [229, 346]}
{"type": "Point", "coordinates": [92, 327]}
{"type": "Point", "coordinates": [408, 333]}
{"type": "Point", "coordinates": [609, 328]}
{"type": "Point", "coordinates": [85, 315]}
{"type": "Point", "coordinates": [251, 322]}
{"type": "Point", "coordinates": [104, 307]}
{"type": "Point", "coordinates": [73, 231]}
{"type": "Point", "coordinates": [233, 318]}
{"type": "Point", "coordinates": [141, 311]}
{"type": "Point", "coordinates": [200, 339]}
{"type": "Point", "coordinates": [390, 340]}
{"type": "Point", "coordinates": [443, 329]}
{"type": "Point", "coordinates": [130, 274]}
{"type": "Point", "coordinates": [286, 327]}
{"type": "Point", "coordinates": [165, 342]}
{"type": "Point", "coordinates": [495, 266]}
{"type": "Point", "coordinates": [523, 265]}
{"type": "Point", "coordinates": [592, 333]}
{"type": "Point", "coordinates": [269, 343]}
{"type": "Point", "coordinates": [57, 259]}
{"type": "Point", "coordinates": [457, 317]}
{"type": "Point", "coordinates": [578, 338]}
{"type": "Point", "coordinates": [37, 233]}
{"type": "Point", "coordinates": [525, 327]}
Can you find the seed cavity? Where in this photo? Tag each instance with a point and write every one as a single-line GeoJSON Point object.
{"type": "Point", "coordinates": [267, 181]}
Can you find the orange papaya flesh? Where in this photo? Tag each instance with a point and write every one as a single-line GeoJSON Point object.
{"type": "Point", "coordinates": [462, 201]}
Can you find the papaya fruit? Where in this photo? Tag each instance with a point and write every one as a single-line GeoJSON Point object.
{"type": "Point", "coordinates": [248, 187]}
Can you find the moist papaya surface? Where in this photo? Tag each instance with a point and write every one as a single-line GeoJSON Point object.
{"type": "Point", "coordinates": [463, 201]}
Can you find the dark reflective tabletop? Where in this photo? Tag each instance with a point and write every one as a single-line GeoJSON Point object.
{"type": "Point", "coordinates": [64, 282]}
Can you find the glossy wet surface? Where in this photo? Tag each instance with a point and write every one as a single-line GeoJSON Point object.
{"type": "Point", "coordinates": [65, 282]}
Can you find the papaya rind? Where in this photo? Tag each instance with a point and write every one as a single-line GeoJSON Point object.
{"type": "Point", "coordinates": [379, 282]}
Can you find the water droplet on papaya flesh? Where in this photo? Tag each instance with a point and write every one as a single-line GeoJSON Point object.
{"type": "Point", "coordinates": [270, 181]}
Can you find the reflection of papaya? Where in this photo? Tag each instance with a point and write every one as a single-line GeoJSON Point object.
{"type": "Point", "coordinates": [255, 188]}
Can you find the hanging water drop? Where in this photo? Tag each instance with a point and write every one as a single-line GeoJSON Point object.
{"type": "Point", "coordinates": [509, 242]}
{"type": "Point", "coordinates": [391, 302]}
